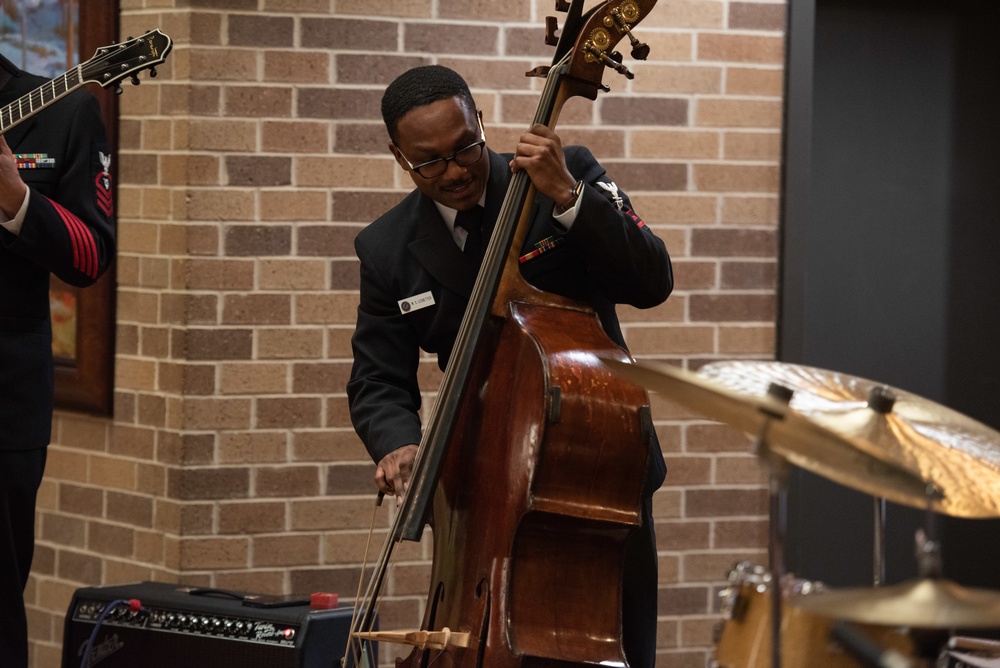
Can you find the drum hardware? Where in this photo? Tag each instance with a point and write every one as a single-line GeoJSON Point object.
{"type": "Point", "coordinates": [732, 605]}
{"type": "Point", "coordinates": [870, 402]}
{"type": "Point", "coordinates": [888, 443]}
{"type": "Point", "coordinates": [878, 541]}
{"type": "Point", "coordinates": [744, 636]}
{"type": "Point", "coordinates": [930, 606]}
{"type": "Point", "coordinates": [880, 399]}
{"type": "Point", "coordinates": [746, 573]}
{"type": "Point", "coordinates": [778, 472]}
{"type": "Point", "coordinates": [968, 652]}
{"type": "Point", "coordinates": [986, 645]}
{"type": "Point", "coordinates": [967, 660]}
{"type": "Point", "coordinates": [864, 648]}
{"type": "Point", "coordinates": [792, 434]}
{"type": "Point", "coordinates": [784, 437]}
{"type": "Point", "coordinates": [959, 456]}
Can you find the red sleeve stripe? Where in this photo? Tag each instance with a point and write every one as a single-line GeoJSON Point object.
{"type": "Point", "coordinates": [84, 247]}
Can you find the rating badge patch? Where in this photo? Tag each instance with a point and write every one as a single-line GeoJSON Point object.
{"type": "Point", "coordinates": [103, 186]}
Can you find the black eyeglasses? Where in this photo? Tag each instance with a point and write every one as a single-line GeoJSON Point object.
{"type": "Point", "coordinates": [462, 157]}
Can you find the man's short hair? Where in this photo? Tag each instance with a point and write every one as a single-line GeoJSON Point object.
{"type": "Point", "coordinates": [418, 87]}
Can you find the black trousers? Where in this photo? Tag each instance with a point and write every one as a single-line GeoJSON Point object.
{"type": "Point", "coordinates": [20, 475]}
{"type": "Point", "coordinates": [639, 593]}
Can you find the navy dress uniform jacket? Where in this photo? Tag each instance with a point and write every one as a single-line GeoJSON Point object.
{"type": "Point", "coordinates": [68, 230]}
{"type": "Point", "coordinates": [606, 258]}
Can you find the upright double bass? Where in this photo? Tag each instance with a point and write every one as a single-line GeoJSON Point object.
{"type": "Point", "coordinates": [532, 463]}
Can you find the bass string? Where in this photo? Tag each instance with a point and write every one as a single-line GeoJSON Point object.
{"type": "Point", "coordinates": [372, 601]}
{"type": "Point", "coordinates": [494, 258]}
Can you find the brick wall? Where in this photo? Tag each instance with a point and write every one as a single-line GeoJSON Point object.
{"type": "Point", "coordinates": [245, 170]}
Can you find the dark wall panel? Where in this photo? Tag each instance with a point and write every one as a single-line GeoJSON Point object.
{"type": "Point", "coordinates": [890, 240]}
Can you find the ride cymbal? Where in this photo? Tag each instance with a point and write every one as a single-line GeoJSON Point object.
{"type": "Point", "coordinates": [958, 455]}
{"type": "Point", "coordinates": [789, 434]}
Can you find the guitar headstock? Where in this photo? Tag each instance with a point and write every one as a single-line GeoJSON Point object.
{"type": "Point", "coordinates": [589, 40]}
{"type": "Point", "coordinates": [113, 63]}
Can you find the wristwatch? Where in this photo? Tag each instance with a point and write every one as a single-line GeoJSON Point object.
{"type": "Point", "coordinates": [571, 202]}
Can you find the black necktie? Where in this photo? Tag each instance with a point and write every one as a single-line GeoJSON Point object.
{"type": "Point", "coordinates": [472, 222]}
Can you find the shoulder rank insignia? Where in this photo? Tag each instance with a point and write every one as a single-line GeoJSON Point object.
{"type": "Point", "coordinates": [103, 185]}
{"type": "Point", "coordinates": [612, 189]}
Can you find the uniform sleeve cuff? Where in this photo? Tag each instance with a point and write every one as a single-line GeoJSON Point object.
{"type": "Point", "coordinates": [567, 217]}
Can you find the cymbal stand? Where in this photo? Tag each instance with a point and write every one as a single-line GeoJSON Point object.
{"type": "Point", "coordinates": [928, 547]}
{"type": "Point", "coordinates": [881, 399]}
{"type": "Point", "coordinates": [928, 642]}
{"type": "Point", "coordinates": [778, 471]}
{"type": "Point", "coordinates": [878, 555]}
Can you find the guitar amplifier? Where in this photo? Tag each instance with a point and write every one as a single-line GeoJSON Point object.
{"type": "Point", "coordinates": [191, 627]}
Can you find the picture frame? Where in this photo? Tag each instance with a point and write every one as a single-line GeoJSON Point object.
{"type": "Point", "coordinates": [83, 319]}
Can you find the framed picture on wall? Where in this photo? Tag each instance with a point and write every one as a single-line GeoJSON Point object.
{"type": "Point", "coordinates": [47, 38]}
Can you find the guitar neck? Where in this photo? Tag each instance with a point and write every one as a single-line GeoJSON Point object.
{"type": "Point", "coordinates": [30, 104]}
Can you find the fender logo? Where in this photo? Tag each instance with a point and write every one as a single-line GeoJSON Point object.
{"type": "Point", "coordinates": [109, 646]}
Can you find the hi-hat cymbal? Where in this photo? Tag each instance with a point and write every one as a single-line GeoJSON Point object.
{"type": "Point", "coordinates": [790, 435]}
{"type": "Point", "coordinates": [926, 604]}
{"type": "Point", "coordinates": [958, 455]}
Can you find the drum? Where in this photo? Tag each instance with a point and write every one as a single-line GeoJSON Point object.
{"type": "Point", "coordinates": [744, 640]}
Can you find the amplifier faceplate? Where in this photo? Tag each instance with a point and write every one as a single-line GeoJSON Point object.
{"type": "Point", "coordinates": [185, 626]}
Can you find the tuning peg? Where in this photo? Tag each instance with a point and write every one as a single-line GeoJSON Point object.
{"type": "Point", "coordinates": [118, 90]}
{"type": "Point", "coordinates": [152, 72]}
{"type": "Point", "coordinates": [562, 5]}
{"type": "Point", "coordinates": [640, 51]}
{"type": "Point", "coordinates": [135, 80]}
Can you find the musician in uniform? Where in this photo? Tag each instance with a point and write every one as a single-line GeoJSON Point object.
{"type": "Point", "coordinates": [55, 217]}
{"type": "Point", "coordinates": [419, 262]}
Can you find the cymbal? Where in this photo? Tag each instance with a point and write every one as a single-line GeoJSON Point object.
{"type": "Point", "coordinates": [958, 455]}
{"type": "Point", "coordinates": [790, 436]}
{"type": "Point", "coordinates": [927, 603]}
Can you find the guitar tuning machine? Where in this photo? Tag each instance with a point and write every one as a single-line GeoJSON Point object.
{"type": "Point", "coordinates": [135, 79]}
{"type": "Point", "coordinates": [562, 5]}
